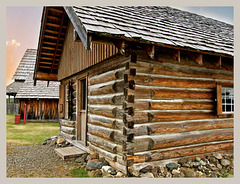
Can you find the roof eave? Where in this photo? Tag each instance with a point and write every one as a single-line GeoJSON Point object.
{"type": "Point", "coordinates": [79, 27]}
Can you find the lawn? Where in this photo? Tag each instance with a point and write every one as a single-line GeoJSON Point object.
{"type": "Point", "coordinates": [29, 133]}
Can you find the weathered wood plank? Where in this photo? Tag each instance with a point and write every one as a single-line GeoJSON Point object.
{"type": "Point", "coordinates": [108, 76]}
{"type": "Point", "coordinates": [116, 99]}
{"type": "Point", "coordinates": [67, 123]}
{"type": "Point", "coordinates": [107, 88]}
{"type": "Point", "coordinates": [186, 126]}
{"type": "Point", "coordinates": [171, 82]}
{"type": "Point", "coordinates": [181, 152]}
{"type": "Point", "coordinates": [102, 132]}
{"type": "Point", "coordinates": [106, 154]}
{"type": "Point", "coordinates": [103, 143]}
{"type": "Point", "coordinates": [179, 115]}
{"type": "Point", "coordinates": [71, 137]}
{"type": "Point", "coordinates": [103, 121]}
{"type": "Point", "coordinates": [180, 70]}
{"type": "Point", "coordinates": [181, 139]}
{"type": "Point", "coordinates": [107, 111]}
{"type": "Point", "coordinates": [68, 130]}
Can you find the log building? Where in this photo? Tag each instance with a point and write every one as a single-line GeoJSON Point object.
{"type": "Point", "coordinates": [140, 85]}
{"type": "Point", "coordinates": [42, 99]}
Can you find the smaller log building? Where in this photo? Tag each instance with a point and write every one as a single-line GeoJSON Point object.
{"type": "Point", "coordinates": [42, 99]}
{"type": "Point", "coordinates": [140, 85]}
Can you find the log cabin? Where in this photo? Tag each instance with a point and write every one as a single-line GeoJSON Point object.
{"type": "Point", "coordinates": [140, 85]}
{"type": "Point", "coordinates": [41, 100]}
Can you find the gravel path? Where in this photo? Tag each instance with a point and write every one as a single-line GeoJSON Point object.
{"type": "Point", "coordinates": [36, 161]}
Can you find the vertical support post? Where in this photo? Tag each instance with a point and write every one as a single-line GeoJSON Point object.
{"type": "Point", "coordinates": [25, 109]}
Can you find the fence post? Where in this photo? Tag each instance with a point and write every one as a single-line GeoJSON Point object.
{"type": "Point", "coordinates": [25, 108]}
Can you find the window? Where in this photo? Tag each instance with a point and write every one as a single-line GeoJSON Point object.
{"type": "Point", "coordinates": [227, 100]}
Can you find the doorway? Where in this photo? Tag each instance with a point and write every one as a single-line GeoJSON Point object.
{"type": "Point", "coordinates": [82, 111]}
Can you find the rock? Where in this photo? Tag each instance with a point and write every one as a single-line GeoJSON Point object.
{"type": "Point", "coordinates": [219, 166]}
{"type": "Point", "coordinates": [147, 175]}
{"type": "Point", "coordinates": [203, 163]}
{"type": "Point", "coordinates": [196, 164]}
{"type": "Point", "coordinates": [105, 169]}
{"type": "Point", "coordinates": [133, 172]}
{"type": "Point", "coordinates": [60, 140]}
{"type": "Point", "coordinates": [113, 172]}
{"type": "Point", "coordinates": [198, 159]}
{"type": "Point", "coordinates": [156, 171]}
{"type": "Point", "coordinates": [199, 174]}
{"type": "Point", "coordinates": [183, 160]}
{"type": "Point", "coordinates": [81, 159]}
{"type": "Point", "coordinates": [171, 166]}
{"type": "Point", "coordinates": [146, 169]}
{"type": "Point", "coordinates": [190, 173]}
{"type": "Point", "coordinates": [225, 162]}
{"type": "Point", "coordinates": [119, 174]}
{"type": "Point", "coordinates": [161, 169]}
{"type": "Point", "coordinates": [175, 172]}
{"type": "Point", "coordinates": [95, 173]}
{"type": "Point", "coordinates": [93, 165]}
{"type": "Point", "coordinates": [218, 156]}
{"type": "Point", "coordinates": [104, 161]}
{"type": "Point", "coordinates": [94, 156]}
{"type": "Point", "coordinates": [168, 175]}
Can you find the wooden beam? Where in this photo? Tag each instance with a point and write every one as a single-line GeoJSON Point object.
{"type": "Point", "coordinates": [198, 57]}
{"type": "Point", "coordinates": [55, 10]}
{"type": "Point", "coordinates": [175, 54]}
{"type": "Point", "coordinates": [46, 76]}
{"type": "Point", "coordinates": [120, 44]}
{"type": "Point", "coordinates": [220, 62]}
{"type": "Point", "coordinates": [42, 36]}
{"type": "Point", "coordinates": [53, 32]}
{"type": "Point", "coordinates": [52, 37]}
{"type": "Point", "coordinates": [150, 51]}
{"type": "Point", "coordinates": [55, 25]}
{"type": "Point", "coordinates": [57, 44]}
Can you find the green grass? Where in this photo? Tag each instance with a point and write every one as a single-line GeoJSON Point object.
{"type": "Point", "coordinates": [79, 173]}
{"type": "Point", "coordinates": [29, 133]}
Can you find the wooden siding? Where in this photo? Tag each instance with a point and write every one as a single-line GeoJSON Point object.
{"type": "Point", "coordinates": [172, 112]}
{"type": "Point", "coordinates": [39, 110]}
{"type": "Point", "coordinates": [76, 58]}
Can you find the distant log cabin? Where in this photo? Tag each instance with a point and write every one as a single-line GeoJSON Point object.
{"type": "Point", "coordinates": [42, 99]}
{"type": "Point", "coordinates": [140, 85]}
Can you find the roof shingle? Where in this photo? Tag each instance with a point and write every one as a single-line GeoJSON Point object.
{"type": "Point", "coordinates": [159, 24]}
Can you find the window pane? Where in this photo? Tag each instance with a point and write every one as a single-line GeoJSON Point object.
{"type": "Point", "coordinates": [227, 99]}
{"type": "Point", "coordinates": [228, 108]}
{"type": "Point", "coordinates": [223, 108]}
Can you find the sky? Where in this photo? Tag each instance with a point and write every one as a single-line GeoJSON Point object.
{"type": "Point", "coordinates": [23, 27]}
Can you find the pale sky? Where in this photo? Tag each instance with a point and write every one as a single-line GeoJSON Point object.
{"type": "Point", "coordinates": [23, 27]}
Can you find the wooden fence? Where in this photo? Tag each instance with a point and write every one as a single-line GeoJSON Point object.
{"type": "Point", "coordinates": [12, 108]}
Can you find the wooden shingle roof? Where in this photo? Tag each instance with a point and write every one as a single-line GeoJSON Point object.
{"type": "Point", "coordinates": [13, 88]}
{"type": "Point", "coordinates": [26, 65]}
{"type": "Point", "coordinates": [41, 90]}
{"type": "Point", "coordinates": [155, 25]}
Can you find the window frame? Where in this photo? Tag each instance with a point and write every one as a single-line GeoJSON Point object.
{"type": "Point", "coordinates": [220, 86]}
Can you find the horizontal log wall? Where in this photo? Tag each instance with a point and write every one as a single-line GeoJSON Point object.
{"type": "Point", "coordinates": [172, 111]}
{"type": "Point", "coordinates": [39, 109]}
{"type": "Point", "coordinates": [105, 110]}
{"type": "Point", "coordinates": [67, 128]}
{"type": "Point", "coordinates": [76, 58]}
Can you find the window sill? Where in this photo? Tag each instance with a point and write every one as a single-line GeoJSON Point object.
{"type": "Point", "coordinates": [226, 115]}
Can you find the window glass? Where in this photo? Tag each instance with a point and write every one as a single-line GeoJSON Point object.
{"type": "Point", "coordinates": [227, 100]}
